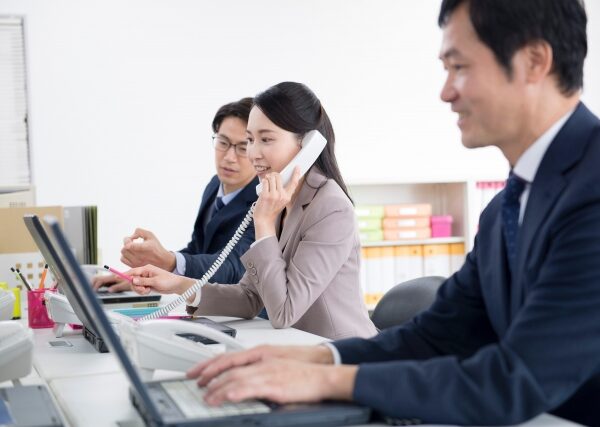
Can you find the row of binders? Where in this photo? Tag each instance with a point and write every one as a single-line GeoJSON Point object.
{"type": "Point", "coordinates": [400, 222]}
{"type": "Point", "coordinates": [383, 267]}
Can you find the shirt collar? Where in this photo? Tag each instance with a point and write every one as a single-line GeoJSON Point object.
{"type": "Point", "coordinates": [226, 198]}
{"type": "Point", "coordinates": [530, 160]}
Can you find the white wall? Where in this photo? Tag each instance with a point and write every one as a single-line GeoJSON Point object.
{"type": "Point", "coordinates": [122, 94]}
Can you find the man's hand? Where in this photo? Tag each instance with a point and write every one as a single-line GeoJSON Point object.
{"type": "Point", "coordinates": [113, 282]}
{"type": "Point", "coordinates": [149, 251]}
{"type": "Point", "coordinates": [206, 371]}
{"type": "Point", "coordinates": [282, 381]}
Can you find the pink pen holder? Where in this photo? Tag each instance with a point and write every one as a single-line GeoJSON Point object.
{"type": "Point", "coordinates": [36, 309]}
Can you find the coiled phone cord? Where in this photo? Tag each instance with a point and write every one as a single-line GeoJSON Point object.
{"type": "Point", "coordinates": [210, 272]}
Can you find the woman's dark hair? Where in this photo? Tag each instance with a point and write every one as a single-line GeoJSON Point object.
{"type": "Point", "coordinates": [240, 109]}
{"type": "Point", "coordinates": [507, 25]}
{"type": "Point", "coordinates": [295, 108]}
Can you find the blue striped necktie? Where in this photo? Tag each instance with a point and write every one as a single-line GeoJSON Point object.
{"type": "Point", "coordinates": [510, 216]}
{"type": "Point", "coordinates": [217, 205]}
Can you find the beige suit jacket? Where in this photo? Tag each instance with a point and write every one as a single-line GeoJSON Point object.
{"type": "Point", "coordinates": [309, 278]}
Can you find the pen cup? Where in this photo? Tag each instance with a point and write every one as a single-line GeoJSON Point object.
{"type": "Point", "coordinates": [37, 313]}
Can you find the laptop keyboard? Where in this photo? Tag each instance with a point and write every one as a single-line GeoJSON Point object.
{"type": "Point", "coordinates": [190, 400]}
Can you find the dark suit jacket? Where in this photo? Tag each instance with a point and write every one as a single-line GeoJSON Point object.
{"type": "Point", "coordinates": [207, 242]}
{"type": "Point", "coordinates": [496, 350]}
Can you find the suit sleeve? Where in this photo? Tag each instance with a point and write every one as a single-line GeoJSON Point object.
{"type": "Point", "coordinates": [240, 300]}
{"type": "Point", "coordinates": [230, 271]}
{"type": "Point", "coordinates": [550, 349]}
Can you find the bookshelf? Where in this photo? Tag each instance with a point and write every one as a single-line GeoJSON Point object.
{"type": "Point", "coordinates": [446, 198]}
{"type": "Point", "coordinates": [386, 263]}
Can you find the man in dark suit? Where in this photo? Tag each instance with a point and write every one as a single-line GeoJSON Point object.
{"type": "Point", "coordinates": [225, 202]}
{"type": "Point", "coordinates": [515, 332]}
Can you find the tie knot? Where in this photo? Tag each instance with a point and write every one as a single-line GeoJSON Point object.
{"type": "Point", "coordinates": [514, 188]}
{"type": "Point", "coordinates": [219, 203]}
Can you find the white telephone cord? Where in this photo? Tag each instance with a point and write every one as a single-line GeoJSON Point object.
{"type": "Point", "coordinates": [210, 272]}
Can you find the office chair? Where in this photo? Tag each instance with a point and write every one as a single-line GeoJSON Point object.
{"type": "Point", "coordinates": [405, 300]}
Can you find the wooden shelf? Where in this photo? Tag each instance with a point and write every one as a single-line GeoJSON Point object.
{"type": "Point", "coordinates": [431, 241]}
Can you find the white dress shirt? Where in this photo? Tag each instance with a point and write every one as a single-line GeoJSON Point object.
{"type": "Point", "coordinates": [529, 162]}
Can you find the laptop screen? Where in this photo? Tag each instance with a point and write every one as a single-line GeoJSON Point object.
{"type": "Point", "coordinates": [41, 239]}
{"type": "Point", "coordinates": [78, 284]}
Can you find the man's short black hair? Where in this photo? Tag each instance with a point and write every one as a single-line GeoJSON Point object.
{"type": "Point", "coordinates": [507, 25]}
{"type": "Point", "coordinates": [240, 109]}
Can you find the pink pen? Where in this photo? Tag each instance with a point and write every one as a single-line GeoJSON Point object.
{"type": "Point", "coordinates": [118, 273]}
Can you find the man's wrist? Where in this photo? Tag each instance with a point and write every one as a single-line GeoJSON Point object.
{"type": "Point", "coordinates": [170, 261]}
{"type": "Point", "coordinates": [338, 381]}
{"type": "Point", "coordinates": [323, 355]}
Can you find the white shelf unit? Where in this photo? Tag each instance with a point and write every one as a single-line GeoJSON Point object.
{"type": "Point", "coordinates": [446, 198]}
{"type": "Point", "coordinates": [386, 263]}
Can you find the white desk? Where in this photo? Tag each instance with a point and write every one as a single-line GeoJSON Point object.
{"type": "Point", "coordinates": [92, 391]}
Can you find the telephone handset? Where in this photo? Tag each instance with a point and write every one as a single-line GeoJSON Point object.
{"type": "Point", "coordinates": [156, 344]}
{"type": "Point", "coordinates": [16, 350]}
{"type": "Point", "coordinates": [313, 144]}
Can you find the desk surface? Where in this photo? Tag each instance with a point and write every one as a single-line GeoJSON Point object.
{"type": "Point", "coordinates": [91, 389]}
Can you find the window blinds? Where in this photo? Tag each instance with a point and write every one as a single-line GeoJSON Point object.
{"type": "Point", "coordinates": [14, 147]}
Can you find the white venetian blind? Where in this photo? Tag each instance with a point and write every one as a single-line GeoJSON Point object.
{"type": "Point", "coordinates": [14, 149]}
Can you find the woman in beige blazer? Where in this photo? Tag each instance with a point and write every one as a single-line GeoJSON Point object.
{"type": "Point", "coordinates": [304, 265]}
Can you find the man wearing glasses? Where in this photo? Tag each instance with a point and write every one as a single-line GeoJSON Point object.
{"type": "Point", "coordinates": [226, 200]}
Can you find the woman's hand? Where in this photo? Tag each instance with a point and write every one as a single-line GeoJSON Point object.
{"type": "Point", "coordinates": [113, 282]}
{"type": "Point", "coordinates": [273, 198]}
{"type": "Point", "coordinates": [150, 278]}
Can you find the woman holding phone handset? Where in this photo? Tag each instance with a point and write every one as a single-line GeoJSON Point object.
{"type": "Point", "coordinates": [304, 265]}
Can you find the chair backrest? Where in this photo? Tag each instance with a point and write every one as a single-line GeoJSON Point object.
{"type": "Point", "coordinates": [405, 300]}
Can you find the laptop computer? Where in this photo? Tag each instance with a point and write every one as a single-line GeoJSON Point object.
{"type": "Point", "coordinates": [28, 406]}
{"type": "Point", "coordinates": [90, 331]}
{"type": "Point", "coordinates": [179, 402]}
{"type": "Point", "coordinates": [40, 237]}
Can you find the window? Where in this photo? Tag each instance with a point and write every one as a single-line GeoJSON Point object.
{"type": "Point", "coordinates": [14, 147]}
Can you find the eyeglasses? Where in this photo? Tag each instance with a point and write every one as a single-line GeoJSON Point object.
{"type": "Point", "coordinates": [222, 144]}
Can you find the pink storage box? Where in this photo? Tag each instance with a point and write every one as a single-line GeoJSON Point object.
{"type": "Point", "coordinates": [441, 226]}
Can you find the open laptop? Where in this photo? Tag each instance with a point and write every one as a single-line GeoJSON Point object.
{"type": "Point", "coordinates": [180, 402]}
{"type": "Point", "coordinates": [28, 406]}
{"type": "Point", "coordinates": [37, 231]}
{"type": "Point", "coordinates": [40, 237]}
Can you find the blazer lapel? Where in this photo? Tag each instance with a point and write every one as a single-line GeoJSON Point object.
{"type": "Point", "coordinates": [547, 186]}
{"type": "Point", "coordinates": [205, 207]}
{"type": "Point", "coordinates": [314, 180]}
{"type": "Point", "coordinates": [241, 202]}
{"type": "Point", "coordinates": [497, 280]}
